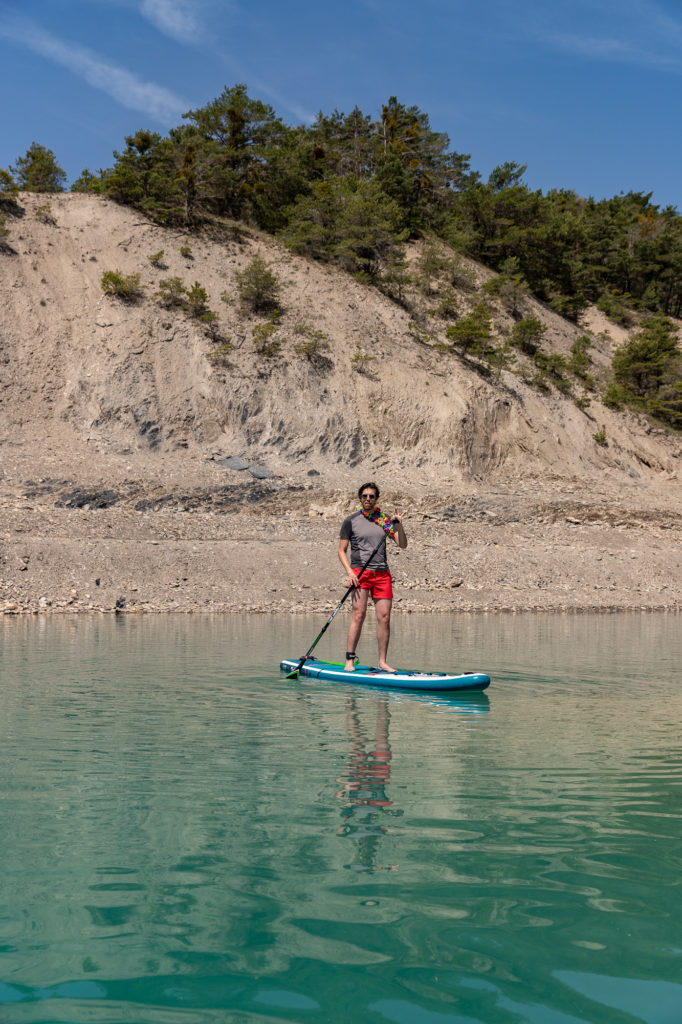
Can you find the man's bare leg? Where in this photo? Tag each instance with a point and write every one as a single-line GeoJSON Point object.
{"type": "Point", "coordinates": [383, 610]}
{"type": "Point", "coordinates": [359, 600]}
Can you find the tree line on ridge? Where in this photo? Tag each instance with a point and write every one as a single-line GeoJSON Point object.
{"type": "Point", "coordinates": [351, 189]}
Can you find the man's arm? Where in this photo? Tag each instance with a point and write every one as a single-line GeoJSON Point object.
{"type": "Point", "coordinates": [343, 558]}
{"type": "Point", "coordinates": [400, 536]}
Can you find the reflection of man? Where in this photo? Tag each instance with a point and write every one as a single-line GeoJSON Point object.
{"type": "Point", "coordinates": [364, 786]}
{"type": "Point", "coordinates": [363, 531]}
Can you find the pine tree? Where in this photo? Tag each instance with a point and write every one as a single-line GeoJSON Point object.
{"type": "Point", "coordinates": [645, 362]}
{"type": "Point", "coordinates": [38, 170]}
{"type": "Point", "coordinates": [8, 187]}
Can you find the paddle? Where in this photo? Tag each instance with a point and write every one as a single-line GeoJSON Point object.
{"type": "Point", "coordinates": [294, 674]}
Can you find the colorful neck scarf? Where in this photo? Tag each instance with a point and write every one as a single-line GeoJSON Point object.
{"type": "Point", "coordinates": [381, 519]}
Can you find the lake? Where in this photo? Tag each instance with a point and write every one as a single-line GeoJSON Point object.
{"type": "Point", "coordinates": [190, 838]}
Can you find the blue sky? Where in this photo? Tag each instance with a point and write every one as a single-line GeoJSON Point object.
{"type": "Point", "coordinates": [586, 92]}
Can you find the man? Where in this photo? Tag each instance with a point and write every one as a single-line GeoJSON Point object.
{"type": "Point", "coordinates": [363, 530]}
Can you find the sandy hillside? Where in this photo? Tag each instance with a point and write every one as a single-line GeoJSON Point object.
{"type": "Point", "coordinates": [116, 421]}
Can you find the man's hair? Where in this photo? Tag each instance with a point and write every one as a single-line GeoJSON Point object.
{"type": "Point", "coordinates": [369, 484]}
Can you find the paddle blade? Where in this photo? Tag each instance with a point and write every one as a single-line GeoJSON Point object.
{"type": "Point", "coordinates": [294, 674]}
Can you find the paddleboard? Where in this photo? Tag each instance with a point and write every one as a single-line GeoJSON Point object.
{"type": "Point", "coordinates": [400, 680]}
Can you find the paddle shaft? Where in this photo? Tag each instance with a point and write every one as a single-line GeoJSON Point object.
{"type": "Point", "coordinates": [291, 675]}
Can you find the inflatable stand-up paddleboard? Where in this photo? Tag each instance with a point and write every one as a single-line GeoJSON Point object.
{"type": "Point", "coordinates": [402, 679]}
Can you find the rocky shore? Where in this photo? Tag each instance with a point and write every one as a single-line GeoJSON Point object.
{"type": "Point", "coordinates": [271, 548]}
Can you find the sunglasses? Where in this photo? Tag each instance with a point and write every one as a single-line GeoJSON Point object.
{"type": "Point", "coordinates": [363, 496]}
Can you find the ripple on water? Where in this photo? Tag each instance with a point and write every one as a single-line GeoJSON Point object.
{"type": "Point", "coordinates": [188, 835]}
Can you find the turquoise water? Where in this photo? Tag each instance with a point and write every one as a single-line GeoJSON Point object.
{"type": "Point", "coordinates": [187, 837]}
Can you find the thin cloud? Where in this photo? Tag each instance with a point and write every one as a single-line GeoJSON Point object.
{"type": "Point", "coordinates": [302, 113]}
{"type": "Point", "coordinates": [122, 85]}
{"type": "Point", "coordinates": [636, 32]}
{"type": "Point", "coordinates": [610, 49]}
{"type": "Point", "coordinates": [178, 19]}
{"type": "Point", "coordinates": [263, 90]}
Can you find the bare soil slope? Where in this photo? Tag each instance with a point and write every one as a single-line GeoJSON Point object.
{"type": "Point", "coordinates": [116, 421]}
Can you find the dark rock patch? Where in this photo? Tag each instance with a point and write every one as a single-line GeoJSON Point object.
{"type": "Point", "coordinates": [233, 462]}
{"type": "Point", "coordinates": [79, 498]}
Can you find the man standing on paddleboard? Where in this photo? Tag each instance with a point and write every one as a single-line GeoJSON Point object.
{"type": "Point", "coordinates": [363, 530]}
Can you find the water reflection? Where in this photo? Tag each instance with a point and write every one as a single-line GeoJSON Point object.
{"type": "Point", "coordinates": [189, 837]}
{"type": "Point", "coordinates": [364, 787]}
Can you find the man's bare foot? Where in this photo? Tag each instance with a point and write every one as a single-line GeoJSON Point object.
{"type": "Point", "coordinates": [383, 666]}
{"type": "Point", "coordinates": [350, 663]}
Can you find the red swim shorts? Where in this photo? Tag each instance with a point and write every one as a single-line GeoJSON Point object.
{"type": "Point", "coordinates": [378, 582]}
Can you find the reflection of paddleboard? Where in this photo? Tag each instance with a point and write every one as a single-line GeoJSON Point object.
{"type": "Point", "coordinates": [400, 680]}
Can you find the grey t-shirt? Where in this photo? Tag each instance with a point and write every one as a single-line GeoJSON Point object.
{"type": "Point", "coordinates": [364, 537]}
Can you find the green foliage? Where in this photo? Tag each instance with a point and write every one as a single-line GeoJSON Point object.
{"type": "Point", "coordinates": [616, 308]}
{"type": "Point", "coordinates": [432, 266]}
{"type": "Point", "coordinates": [666, 404]}
{"type": "Point", "coordinates": [360, 361]}
{"type": "Point", "coordinates": [186, 252]}
{"type": "Point", "coordinates": [647, 372]}
{"type": "Point", "coordinates": [527, 334]}
{"type": "Point", "coordinates": [645, 362]}
{"type": "Point", "coordinates": [313, 344]}
{"type": "Point", "coordinates": [553, 367]}
{"type": "Point", "coordinates": [615, 396]}
{"type": "Point", "coordinates": [8, 188]}
{"type": "Point", "coordinates": [500, 357]}
{"type": "Point", "coordinates": [45, 215]}
{"type": "Point", "coordinates": [462, 276]}
{"type": "Point", "coordinates": [156, 259]}
{"type": "Point", "coordinates": [311, 348]}
{"type": "Point", "coordinates": [309, 332]}
{"type": "Point", "coordinates": [4, 230]}
{"type": "Point", "coordinates": [506, 176]}
{"type": "Point", "coordinates": [145, 176]}
{"type": "Point", "coordinates": [210, 321]}
{"type": "Point", "coordinates": [258, 287]}
{"type": "Point", "coordinates": [448, 307]}
{"type": "Point", "coordinates": [123, 286]}
{"type": "Point", "coordinates": [88, 182]}
{"type": "Point", "coordinates": [196, 301]}
{"type": "Point", "coordinates": [220, 353]}
{"type": "Point", "coordinates": [38, 171]}
{"type": "Point", "coordinates": [172, 293]}
{"type": "Point", "coordinates": [472, 334]}
{"type": "Point", "coordinates": [579, 362]}
{"type": "Point", "coordinates": [394, 276]}
{"type": "Point", "coordinates": [600, 437]}
{"type": "Point", "coordinates": [237, 141]}
{"type": "Point", "coordinates": [264, 338]}
{"type": "Point", "coordinates": [509, 287]}
{"type": "Point", "coordinates": [349, 222]}
{"type": "Point", "coordinates": [538, 380]}
{"type": "Point", "coordinates": [421, 335]}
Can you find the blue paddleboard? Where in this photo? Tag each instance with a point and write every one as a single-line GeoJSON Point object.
{"type": "Point", "coordinates": [400, 680]}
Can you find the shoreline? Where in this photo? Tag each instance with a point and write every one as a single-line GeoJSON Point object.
{"type": "Point", "coordinates": [493, 553]}
{"type": "Point", "coordinates": [396, 612]}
